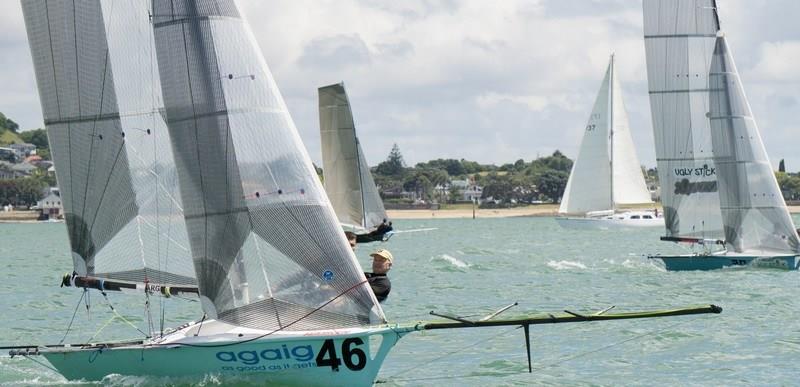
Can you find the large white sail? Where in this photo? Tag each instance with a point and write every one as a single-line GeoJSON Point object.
{"type": "Point", "coordinates": [267, 247]}
{"type": "Point", "coordinates": [679, 43]}
{"type": "Point", "coordinates": [109, 143]}
{"type": "Point", "coordinates": [753, 210]}
{"type": "Point", "coordinates": [606, 172]}
{"type": "Point", "coordinates": [627, 179]}
{"type": "Point", "coordinates": [348, 181]}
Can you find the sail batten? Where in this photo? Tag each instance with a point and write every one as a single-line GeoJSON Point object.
{"type": "Point", "coordinates": [754, 214]}
{"type": "Point", "coordinates": [107, 140]}
{"type": "Point", "coordinates": [679, 45]}
{"type": "Point", "coordinates": [266, 245]}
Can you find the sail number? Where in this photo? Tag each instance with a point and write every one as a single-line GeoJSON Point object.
{"type": "Point", "coordinates": [590, 127]}
{"type": "Point", "coordinates": [354, 358]}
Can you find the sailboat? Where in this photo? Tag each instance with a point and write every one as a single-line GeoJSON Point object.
{"type": "Point", "coordinates": [348, 181]}
{"type": "Point", "coordinates": [719, 191]}
{"type": "Point", "coordinates": [606, 174]}
{"type": "Point", "coordinates": [188, 177]}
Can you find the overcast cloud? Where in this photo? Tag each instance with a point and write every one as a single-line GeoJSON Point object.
{"type": "Point", "coordinates": [487, 81]}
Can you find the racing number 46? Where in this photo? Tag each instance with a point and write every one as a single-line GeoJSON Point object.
{"type": "Point", "coordinates": [327, 355]}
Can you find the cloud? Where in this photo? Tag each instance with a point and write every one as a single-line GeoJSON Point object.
{"type": "Point", "coordinates": [491, 81]}
{"type": "Point", "coordinates": [335, 52]}
{"type": "Point", "coordinates": [778, 61]}
{"type": "Point", "coordinates": [491, 100]}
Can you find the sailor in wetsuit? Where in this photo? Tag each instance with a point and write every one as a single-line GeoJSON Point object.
{"type": "Point", "coordinates": [378, 281]}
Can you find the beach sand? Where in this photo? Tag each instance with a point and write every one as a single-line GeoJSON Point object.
{"type": "Point", "coordinates": [537, 210]}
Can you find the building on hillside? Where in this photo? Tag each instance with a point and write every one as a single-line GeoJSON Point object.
{"type": "Point", "coordinates": [8, 154]}
{"type": "Point", "coordinates": [23, 150]}
{"type": "Point", "coordinates": [50, 205]}
{"type": "Point", "coordinates": [468, 190]}
{"type": "Point", "coordinates": [6, 170]}
{"type": "Point", "coordinates": [24, 169]}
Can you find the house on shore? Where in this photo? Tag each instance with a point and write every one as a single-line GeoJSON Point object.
{"type": "Point", "coordinates": [50, 205]}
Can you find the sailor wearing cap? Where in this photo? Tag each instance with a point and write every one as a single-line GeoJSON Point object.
{"type": "Point", "coordinates": [381, 264]}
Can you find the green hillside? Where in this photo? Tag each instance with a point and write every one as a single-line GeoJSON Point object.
{"type": "Point", "coordinates": [8, 137]}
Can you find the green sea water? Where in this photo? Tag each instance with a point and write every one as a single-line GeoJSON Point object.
{"type": "Point", "coordinates": [470, 268]}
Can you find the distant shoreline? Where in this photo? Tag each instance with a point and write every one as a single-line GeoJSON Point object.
{"type": "Point", "coordinates": [456, 213]}
{"type": "Point", "coordinates": [544, 210]}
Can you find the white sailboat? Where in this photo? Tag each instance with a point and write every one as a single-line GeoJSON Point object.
{"type": "Point", "coordinates": [718, 187]}
{"type": "Point", "coordinates": [189, 177]}
{"type": "Point", "coordinates": [606, 173]}
{"type": "Point", "coordinates": [348, 181]}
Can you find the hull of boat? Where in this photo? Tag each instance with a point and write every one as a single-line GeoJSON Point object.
{"type": "Point", "coordinates": [331, 358]}
{"type": "Point", "coordinates": [607, 224]}
{"type": "Point", "coordinates": [720, 261]}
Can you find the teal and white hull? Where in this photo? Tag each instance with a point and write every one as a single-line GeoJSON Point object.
{"type": "Point", "coordinates": [333, 357]}
{"type": "Point", "coordinates": [722, 260]}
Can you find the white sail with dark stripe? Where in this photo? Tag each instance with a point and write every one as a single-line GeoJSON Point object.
{"type": "Point", "coordinates": [348, 181]}
{"type": "Point", "coordinates": [754, 213]}
{"type": "Point", "coordinates": [109, 143]}
{"type": "Point", "coordinates": [267, 247]}
{"type": "Point", "coordinates": [679, 42]}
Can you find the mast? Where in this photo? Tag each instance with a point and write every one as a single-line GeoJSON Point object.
{"type": "Point", "coordinates": [611, 130]}
{"type": "Point", "coordinates": [358, 163]}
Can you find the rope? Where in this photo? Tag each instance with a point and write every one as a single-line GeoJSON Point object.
{"type": "Point", "coordinates": [101, 328]}
{"type": "Point", "coordinates": [119, 316]}
{"type": "Point", "coordinates": [416, 366]}
{"type": "Point", "coordinates": [569, 358]}
{"type": "Point", "coordinates": [277, 330]}
{"type": "Point", "coordinates": [73, 316]}
{"type": "Point", "coordinates": [564, 360]}
{"type": "Point", "coordinates": [41, 364]}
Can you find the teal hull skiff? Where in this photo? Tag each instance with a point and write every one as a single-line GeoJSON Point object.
{"type": "Point", "coordinates": [722, 260]}
{"type": "Point", "coordinates": [333, 357]}
{"type": "Point", "coordinates": [338, 357]}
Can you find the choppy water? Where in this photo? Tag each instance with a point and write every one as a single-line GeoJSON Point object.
{"type": "Point", "coordinates": [472, 267]}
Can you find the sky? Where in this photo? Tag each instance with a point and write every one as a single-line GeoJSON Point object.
{"type": "Point", "coordinates": [488, 81]}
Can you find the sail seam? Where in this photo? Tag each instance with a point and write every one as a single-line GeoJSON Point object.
{"type": "Point", "coordinates": [223, 113]}
{"type": "Point", "coordinates": [685, 158]}
{"type": "Point", "coordinates": [670, 91]}
{"type": "Point", "coordinates": [742, 117]}
{"type": "Point", "coordinates": [670, 36]}
{"type": "Point", "coordinates": [189, 19]}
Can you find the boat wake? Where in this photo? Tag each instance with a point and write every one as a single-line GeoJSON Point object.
{"type": "Point", "coordinates": [452, 262]}
{"type": "Point", "coordinates": [565, 265]}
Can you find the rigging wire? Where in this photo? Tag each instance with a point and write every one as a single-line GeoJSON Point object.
{"type": "Point", "coordinates": [41, 364]}
{"type": "Point", "coordinates": [119, 316]}
{"type": "Point", "coordinates": [78, 305]}
{"type": "Point", "coordinates": [540, 368]}
{"type": "Point", "coordinates": [429, 361]}
{"type": "Point", "coordinates": [276, 330]}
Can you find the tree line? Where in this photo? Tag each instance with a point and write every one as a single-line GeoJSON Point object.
{"type": "Point", "coordinates": [543, 179]}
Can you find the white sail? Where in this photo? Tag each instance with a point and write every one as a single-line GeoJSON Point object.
{"type": "Point", "coordinates": [268, 250]}
{"type": "Point", "coordinates": [627, 180]}
{"type": "Point", "coordinates": [348, 181]}
{"type": "Point", "coordinates": [606, 172]}
{"type": "Point", "coordinates": [679, 43]}
{"type": "Point", "coordinates": [109, 143]}
{"type": "Point", "coordinates": [753, 210]}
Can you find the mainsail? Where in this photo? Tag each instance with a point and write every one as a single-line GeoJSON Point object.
{"type": "Point", "coordinates": [606, 172]}
{"type": "Point", "coordinates": [109, 143]}
{"type": "Point", "coordinates": [754, 214]}
{"type": "Point", "coordinates": [679, 43]}
{"type": "Point", "coordinates": [348, 181]}
{"type": "Point", "coordinates": [267, 247]}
